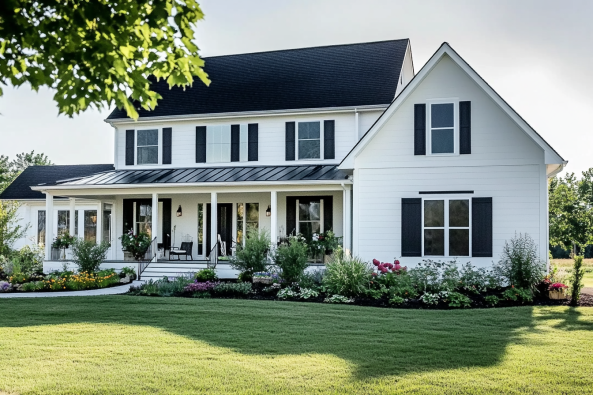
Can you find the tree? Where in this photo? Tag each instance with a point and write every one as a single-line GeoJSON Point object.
{"type": "Point", "coordinates": [10, 229]}
{"type": "Point", "coordinates": [9, 170]}
{"type": "Point", "coordinates": [571, 211]}
{"type": "Point", "coordinates": [100, 52]}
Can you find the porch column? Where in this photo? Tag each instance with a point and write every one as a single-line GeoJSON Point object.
{"type": "Point", "coordinates": [49, 224]}
{"type": "Point", "coordinates": [274, 218]}
{"type": "Point", "coordinates": [213, 221]}
{"type": "Point", "coordinates": [347, 224]}
{"type": "Point", "coordinates": [113, 237]}
{"type": "Point", "coordinates": [72, 216]}
{"type": "Point", "coordinates": [155, 216]}
{"type": "Point", "coordinates": [99, 223]}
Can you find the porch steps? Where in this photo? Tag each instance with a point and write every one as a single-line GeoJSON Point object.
{"type": "Point", "coordinates": [158, 270]}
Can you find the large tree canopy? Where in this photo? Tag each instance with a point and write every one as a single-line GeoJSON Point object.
{"type": "Point", "coordinates": [99, 52]}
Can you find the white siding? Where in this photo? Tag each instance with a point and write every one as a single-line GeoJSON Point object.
{"type": "Point", "coordinates": [505, 164]}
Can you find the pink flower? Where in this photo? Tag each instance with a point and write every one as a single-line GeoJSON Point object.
{"type": "Point", "coordinates": [397, 266]}
{"type": "Point", "coordinates": [374, 274]}
{"type": "Point", "coordinates": [396, 262]}
{"type": "Point", "coordinates": [376, 262]}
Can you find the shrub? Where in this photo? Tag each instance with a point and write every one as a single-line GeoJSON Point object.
{"type": "Point", "coordinates": [232, 289]}
{"type": "Point", "coordinates": [345, 275]}
{"type": "Point", "coordinates": [312, 280]}
{"type": "Point", "coordinates": [397, 300]}
{"type": "Point", "coordinates": [432, 298]}
{"type": "Point", "coordinates": [292, 259]}
{"type": "Point", "coordinates": [254, 256]}
{"type": "Point", "coordinates": [518, 294]}
{"type": "Point", "coordinates": [477, 281]}
{"type": "Point", "coordinates": [163, 287]}
{"type": "Point", "coordinates": [287, 293]}
{"type": "Point", "coordinates": [387, 273]}
{"type": "Point", "coordinates": [88, 255]}
{"type": "Point", "coordinates": [200, 286]}
{"type": "Point", "coordinates": [135, 244]}
{"type": "Point", "coordinates": [457, 299]}
{"type": "Point", "coordinates": [127, 271]}
{"type": "Point", "coordinates": [435, 276]}
{"type": "Point", "coordinates": [28, 287]}
{"type": "Point", "coordinates": [519, 264]}
{"type": "Point", "coordinates": [28, 260]}
{"type": "Point", "coordinates": [403, 287]}
{"type": "Point", "coordinates": [205, 275]}
{"type": "Point", "coordinates": [5, 286]}
{"type": "Point", "coordinates": [338, 299]}
{"type": "Point", "coordinates": [492, 300]}
{"type": "Point", "coordinates": [576, 280]}
{"type": "Point", "coordinates": [307, 293]}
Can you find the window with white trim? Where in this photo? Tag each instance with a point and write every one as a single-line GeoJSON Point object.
{"type": "Point", "coordinates": [309, 217]}
{"type": "Point", "coordinates": [446, 227]}
{"type": "Point", "coordinates": [442, 128]}
{"type": "Point", "coordinates": [247, 218]}
{"type": "Point", "coordinates": [63, 222]}
{"type": "Point", "coordinates": [147, 147]}
{"type": "Point", "coordinates": [309, 140]}
{"type": "Point", "coordinates": [218, 143]}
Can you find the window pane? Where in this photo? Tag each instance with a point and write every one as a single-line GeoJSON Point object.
{"type": "Point", "coordinates": [63, 222]}
{"type": "Point", "coordinates": [141, 138]}
{"type": "Point", "coordinates": [41, 226]}
{"type": "Point", "coordinates": [252, 212]}
{"type": "Point", "coordinates": [309, 149]}
{"type": "Point", "coordinates": [458, 212]}
{"type": "Point", "coordinates": [107, 223]}
{"type": "Point", "coordinates": [148, 155]}
{"type": "Point", "coordinates": [310, 211]}
{"type": "Point", "coordinates": [458, 242]}
{"type": "Point", "coordinates": [309, 130]}
{"type": "Point", "coordinates": [76, 223]}
{"type": "Point", "coordinates": [148, 137]}
{"type": "Point", "coordinates": [441, 115]}
{"type": "Point", "coordinates": [434, 213]}
{"type": "Point", "coordinates": [434, 242]}
{"type": "Point", "coordinates": [218, 143]}
{"type": "Point", "coordinates": [442, 141]}
{"type": "Point", "coordinates": [240, 219]}
{"type": "Point", "coordinates": [308, 228]}
{"type": "Point", "coordinates": [90, 225]}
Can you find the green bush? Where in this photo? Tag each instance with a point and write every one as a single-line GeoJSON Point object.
{"type": "Point", "coordinates": [292, 259]}
{"type": "Point", "coordinates": [88, 255]}
{"type": "Point", "coordinates": [163, 287]}
{"type": "Point", "coordinates": [434, 276]}
{"type": "Point", "coordinates": [29, 260]}
{"type": "Point", "coordinates": [206, 275]}
{"type": "Point", "coordinates": [519, 264]}
{"type": "Point", "coordinates": [29, 287]}
{"type": "Point", "coordinates": [232, 289]}
{"type": "Point", "coordinates": [523, 295]}
{"type": "Point", "coordinates": [457, 299]}
{"type": "Point", "coordinates": [254, 256]}
{"type": "Point", "coordinates": [347, 276]}
{"type": "Point", "coordinates": [402, 286]}
{"type": "Point", "coordinates": [576, 280]}
{"type": "Point", "coordinates": [127, 271]}
{"type": "Point", "coordinates": [492, 300]}
{"type": "Point", "coordinates": [312, 279]}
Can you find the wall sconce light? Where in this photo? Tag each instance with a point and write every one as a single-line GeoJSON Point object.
{"type": "Point", "coordinates": [179, 212]}
{"type": "Point", "coordinates": [269, 212]}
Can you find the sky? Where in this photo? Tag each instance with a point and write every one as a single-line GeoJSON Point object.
{"type": "Point", "coordinates": [538, 55]}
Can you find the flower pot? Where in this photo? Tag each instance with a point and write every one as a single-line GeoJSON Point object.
{"type": "Point", "coordinates": [557, 294]}
{"type": "Point", "coordinates": [326, 258]}
{"type": "Point", "coordinates": [128, 256]}
{"type": "Point", "coordinates": [56, 254]}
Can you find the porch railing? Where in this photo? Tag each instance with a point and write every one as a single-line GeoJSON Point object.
{"type": "Point", "coordinates": [149, 256]}
{"type": "Point", "coordinates": [212, 260]}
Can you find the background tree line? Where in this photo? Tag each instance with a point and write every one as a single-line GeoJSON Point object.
{"type": "Point", "coordinates": [571, 215]}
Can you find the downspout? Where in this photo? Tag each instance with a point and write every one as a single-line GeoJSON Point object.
{"type": "Point", "coordinates": [356, 135]}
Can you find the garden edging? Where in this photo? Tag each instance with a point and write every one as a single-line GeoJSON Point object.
{"type": "Point", "coordinates": [117, 290]}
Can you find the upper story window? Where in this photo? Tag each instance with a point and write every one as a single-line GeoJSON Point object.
{"type": "Point", "coordinates": [218, 143]}
{"type": "Point", "coordinates": [442, 121]}
{"type": "Point", "coordinates": [309, 140]}
{"type": "Point", "coordinates": [147, 147]}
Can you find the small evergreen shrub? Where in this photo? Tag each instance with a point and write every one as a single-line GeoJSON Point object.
{"type": "Point", "coordinates": [88, 255]}
{"type": "Point", "coordinates": [254, 256]}
{"type": "Point", "coordinates": [292, 259]}
{"type": "Point", "coordinates": [492, 300]}
{"type": "Point", "coordinates": [206, 275]}
{"type": "Point", "coordinates": [576, 280]}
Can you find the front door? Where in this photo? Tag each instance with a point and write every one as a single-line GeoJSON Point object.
{"type": "Point", "coordinates": [225, 225]}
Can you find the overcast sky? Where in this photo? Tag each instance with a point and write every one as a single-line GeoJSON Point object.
{"type": "Point", "coordinates": [538, 55]}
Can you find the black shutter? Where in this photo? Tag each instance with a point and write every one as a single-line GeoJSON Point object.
{"type": "Point", "coordinates": [412, 227]}
{"type": "Point", "coordinates": [482, 227]}
{"type": "Point", "coordinates": [291, 215]}
{"type": "Point", "coordinates": [290, 141]}
{"type": "Point", "coordinates": [329, 144]}
{"type": "Point", "coordinates": [252, 142]}
{"type": "Point", "coordinates": [167, 145]}
{"type": "Point", "coordinates": [166, 235]}
{"type": "Point", "coordinates": [465, 127]}
{"type": "Point", "coordinates": [328, 213]}
{"type": "Point", "coordinates": [419, 129]}
{"type": "Point", "coordinates": [235, 143]}
{"type": "Point", "coordinates": [130, 147]}
{"type": "Point", "coordinates": [128, 209]}
{"type": "Point", "coordinates": [200, 144]}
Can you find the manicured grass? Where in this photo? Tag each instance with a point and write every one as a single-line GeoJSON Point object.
{"type": "Point", "coordinates": [138, 345]}
{"type": "Point", "coordinates": [566, 264]}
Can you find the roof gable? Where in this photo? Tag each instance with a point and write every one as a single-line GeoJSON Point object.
{"type": "Point", "coordinates": [551, 156]}
{"type": "Point", "coordinates": [350, 75]}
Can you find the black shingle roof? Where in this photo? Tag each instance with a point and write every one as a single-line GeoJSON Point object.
{"type": "Point", "coordinates": [319, 77]}
{"type": "Point", "coordinates": [212, 174]}
{"type": "Point", "coordinates": [35, 175]}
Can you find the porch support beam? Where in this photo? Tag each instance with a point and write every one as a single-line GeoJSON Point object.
{"type": "Point", "coordinates": [213, 222]}
{"type": "Point", "coordinates": [99, 222]}
{"type": "Point", "coordinates": [72, 228]}
{"type": "Point", "coordinates": [274, 217]}
{"type": "Point", "coordinates": [49, 224]}
{"type": "Point", "coordinates": [155, 216]}
{"type": "Point", "coordinates": [347, 218]}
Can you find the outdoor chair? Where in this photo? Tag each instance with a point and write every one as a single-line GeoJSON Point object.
{"type": "Point", "coordinates": [184, 250]}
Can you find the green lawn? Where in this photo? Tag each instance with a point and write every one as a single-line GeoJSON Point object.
{"type": "Point", "coordinates": [139, 345]}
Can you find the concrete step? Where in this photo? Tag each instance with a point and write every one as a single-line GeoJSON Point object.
{"type": "Point", "coordinates": [158, 270]}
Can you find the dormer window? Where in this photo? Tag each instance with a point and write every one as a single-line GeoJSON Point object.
{"type": "Point", "coordinates": [147, 147]}
{"type": "Point", "coordinates": [442, 130]}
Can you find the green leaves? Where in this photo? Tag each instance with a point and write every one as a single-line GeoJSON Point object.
{"type": "Point", "coordinates": [98, 53]}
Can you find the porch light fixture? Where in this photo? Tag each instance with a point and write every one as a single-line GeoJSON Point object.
{"type": "Point", "coordinates": [269, 211]}
{"type": "Point", "coordinates": [179, 212]}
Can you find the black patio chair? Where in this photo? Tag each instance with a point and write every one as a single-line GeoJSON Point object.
{"type": "Point", "coordinates": [184, 250]}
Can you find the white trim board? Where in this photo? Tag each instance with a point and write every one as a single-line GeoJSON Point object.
{"type": "Point", "coordinates": [551, 156]}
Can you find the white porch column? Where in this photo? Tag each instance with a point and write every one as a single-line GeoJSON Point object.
{"type": "Point", "coordinates": [49, 224]}
{"type": "Point", "coordinates": [213, 221]}
{"type": "Point", "coordinates": [155, 216]}
{"type": "Point", "coordinates": [99, 222]}
{"type": "Point", "coordinates": [274, 218]}
{"type": "Point", "coordinates": [347, 209]}
{"type": "Point", "coordinates": [72, 227]}
{"type": "Point", "coordinates": [113, 240]}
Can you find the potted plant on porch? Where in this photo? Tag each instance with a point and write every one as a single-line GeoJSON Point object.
{"type": "Point", "coordinates": [135, 246]}
{"type": "Point", "coordinates": [59, 246]}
